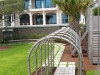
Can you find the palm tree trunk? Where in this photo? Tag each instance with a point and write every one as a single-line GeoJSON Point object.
{"type": "Point", "coordinates": [74, 24]}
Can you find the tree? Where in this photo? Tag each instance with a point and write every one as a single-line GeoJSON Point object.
{"type": "Point", "coordinates": [73, 8]}
{"type": "Point", "coordinates": [11, 6]}
{"type": "Point", "coordinates": [95, 11]}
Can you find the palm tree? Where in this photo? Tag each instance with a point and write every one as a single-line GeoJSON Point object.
{"type": "Point", "coordinates": [73, 8]}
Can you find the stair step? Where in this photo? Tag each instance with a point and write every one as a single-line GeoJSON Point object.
{"type": "Point", "coordinates": [96, 48]}
{"type": "Point", "coordinates": [95, 39]}
{"type": "Point", "coordinates": [95, 52]}
{"type": "Point", "coordinates": [95, 61]}
{"type": "Point", "coordinates": [95, 44]}
{"type": "Point", "coordinates": [95, 55]}
{"type": "Point", "coordinates": [96, 31]}
{"type": "Point", "coordinates": [94, 36]}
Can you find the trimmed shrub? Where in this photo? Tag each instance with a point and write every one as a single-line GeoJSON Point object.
{"type": "Point", "coordinates": [37, 36]}
{"type": "Point", "coordinates": [42, 35]}
{"type": "Point", "coordinates": [1, 41]}
{"type": "Point", "coordinates": [16, 37]}
{"type": "Point", "coordinates": [24, 37]}
{"type": "Point", "coordinates": [6, 39]}
{"type": "Point", "coordinates": [0, 16]}
{"type": "Point", "coordinates": [34, 36]}
{"type": "Point", "coordinates": [61, 41]}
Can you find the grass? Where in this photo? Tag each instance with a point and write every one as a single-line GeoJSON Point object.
{"type": "Point", "coordinates": [39, 53]}
{"type": "Point", "coordinates": [93, 72]}
{"type": "Point", "coordinates": [14, 60]}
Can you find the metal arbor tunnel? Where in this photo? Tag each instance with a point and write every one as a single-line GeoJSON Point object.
{"type": "Point", "coordinates": [42, 52]}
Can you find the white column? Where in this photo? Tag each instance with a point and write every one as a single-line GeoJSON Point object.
{"type": "Point", "coordinates": [18, 20]}
{"type": "Point", "coordinates": [57, 13]}
{"type": "Point", "coordinates": [44, 19]}
{"type": "Point", "coordinates": [30, 4]}
{"type": "Point", "coordinates": [42, 5]}
{"type": "Point", "coordinates": [30, 18]}
{"type": "Point", "coordinates": [3, 21]}
{"type": "Point", "coordinates": [60, 17]}
{"type": "Point", "coordinates": [12, 20]}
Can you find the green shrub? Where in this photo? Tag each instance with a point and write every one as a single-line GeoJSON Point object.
{"type": "Point", "coordinates": [16, 37]}
{"type": "Point", "coordinates": [0, 16]}
{"type": "Point", "coordinates": [42, 35]}
{"type": "Point", "coordinates": [34, 36]}
{"type": "Point", "coordinates": [1, 41]}
{"type": "Point", "coordinates": [6, 39]}
{"type": "Point", "coordinates": [61, 41]}
{"type": "Point", "coordinates": [24, 37]}
{"type": "Point", "coordinates": [95, 11]}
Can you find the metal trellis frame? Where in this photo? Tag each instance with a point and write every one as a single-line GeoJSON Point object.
{"type": "Point", "coordinates": [46, 45]}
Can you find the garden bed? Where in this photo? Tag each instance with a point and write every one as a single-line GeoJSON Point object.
{"type": "Point", "coordinates": [4, 47]}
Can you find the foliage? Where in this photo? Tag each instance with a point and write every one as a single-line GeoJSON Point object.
{"type": "Point", "coordinates": [95, 11]}
{"type": "Point", "coordinates": [34, 36]}
{"type": "Point", "coordinates": [37, 36]}
{"type": "Point", "coordinates": [0, 16]}
{"type": "Point", "coordinates": [11, 6]}
{"type": "Point", "coordinates": [1, 42]}
{"type": "Point", "coordinates": [42, 35]}
{"type": "Point", "coordinates": [61, 41]}
{"type": "Point", "coordinates": [16, 37]}
{"type": "Point", "coordinates": [6, 39]}
{"type": "Point", "coordinates": [24, 37]}
{"type": "Point", "coordinates": [73, 8]}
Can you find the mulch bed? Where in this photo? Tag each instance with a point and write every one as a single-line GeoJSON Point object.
{"type": "Point", "coordinates": [4, 47]}
{"type": "Point", "coordinates": [68, 58]}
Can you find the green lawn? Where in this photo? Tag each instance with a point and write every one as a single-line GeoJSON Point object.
{"type": "Point", "coordinates": [14, 60]}
{"type": "Point", "coordinates": [92, 72]}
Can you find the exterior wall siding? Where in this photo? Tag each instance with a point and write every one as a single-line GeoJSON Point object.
{"type": "Point", "coordinates": [30, 30]}
{"type": "Point", "coordinates": [36, 30]}
{"type": "Point", "coordinates": [1, 35]}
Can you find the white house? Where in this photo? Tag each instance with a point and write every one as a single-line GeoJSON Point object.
{"type": "Point", "coordinates": [39, 14]}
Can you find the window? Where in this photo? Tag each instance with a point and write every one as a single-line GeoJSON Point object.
{"type": "Point", "coordinates": [38, 19]}
{"type": "Point", "coordinates": [24, 19]}
{"type": "Point", "coordinates": [46, 3]}
{"type": "Point", "coordinates": [51, 19]}
{"type": "Point", "coordinates": [8, 20]}
{"type": "Point", "coordinates": [38, 4]}
{"type": "Point", "coordinates": [64, 18]}
{"type": "Point", "coordinates": [26, 4]}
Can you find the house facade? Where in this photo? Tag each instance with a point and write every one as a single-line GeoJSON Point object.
{"type": "Point", "coordinates": [40, 16]}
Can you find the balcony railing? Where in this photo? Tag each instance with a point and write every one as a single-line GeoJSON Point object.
{"type": "Point", "coordinates": [42, 6]}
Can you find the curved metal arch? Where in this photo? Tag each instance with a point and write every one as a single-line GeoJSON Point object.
{"type": "Point", "coordinates": [65, 33]}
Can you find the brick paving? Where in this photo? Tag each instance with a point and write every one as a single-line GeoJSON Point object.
{"type": "Point", "coordinates": [66, 57]}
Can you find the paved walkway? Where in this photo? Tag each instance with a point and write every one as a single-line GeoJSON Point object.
{"type": "Point", "coordinates": [63, 68]}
